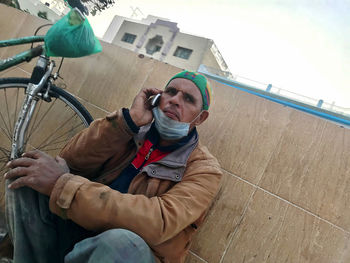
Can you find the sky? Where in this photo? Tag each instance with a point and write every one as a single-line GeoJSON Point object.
{"type": "Point", "coordinates": [302, 46]}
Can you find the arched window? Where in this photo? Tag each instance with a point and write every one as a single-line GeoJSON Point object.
{"type": "Point", "coordinates": [154, 44]}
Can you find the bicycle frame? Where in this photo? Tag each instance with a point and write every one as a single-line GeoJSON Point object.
{"type": "Point", "coordinates": [39, 78]}
{"type": "Point", "coordinates": [44, 67]}
{"type": "Point", "coordinates": [28, 107]}
{"type": "Point", "coordinates": [24, 56]}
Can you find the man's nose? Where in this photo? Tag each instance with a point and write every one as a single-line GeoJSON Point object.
{"type": "Point", "coordinates": [176, 99]}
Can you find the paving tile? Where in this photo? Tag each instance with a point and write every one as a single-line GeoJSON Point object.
{"type": "Point", "coordinates": [7, 72]}
{"type": "Point", "coordinates": [310, 167]}
{"type": "Point", "coordinates": [14, 20]}
{"type": "Point", "coordinates": [243, 130]}
{"type": "Point", "coordinates": [74, 72]}
{"type": "Point", "coordinates": [160, 75]}
{"type": "Point", "coordinates": [193, 259]}
{"type": "Point", "coordinates": [212, 239]}
{"type": "Point", "coordinates": [275, 231]}
{"type": "Point", "coordinates": [15, 72]}
{"type": "Point", "coordinates": [27, 26]}
{"type": "Point", "coordinates": [114, 78]}
{"type": "Point", "coordinates": [93, 110]}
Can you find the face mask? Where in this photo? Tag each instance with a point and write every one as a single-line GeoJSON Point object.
{"type": "Point", "coordinates": [168, 128]}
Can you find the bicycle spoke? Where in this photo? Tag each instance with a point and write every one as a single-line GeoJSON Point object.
{"type": "Point", "coordinates": [4, 160]}
{"type": "Point", "coordinates": [53, 141]}
{"type": "Point", "coordinates": [4, 150]}
{"type": "Point", "coordinates": [4, 157]}
{"type": "Point", "coordinates": [6, 131]}
{"type": "Point", "coordinates": [2, 167]}
{"type": "Point", "coordinates": [8, 113]}
{"type": "Point", "coordinates": [36, 114]}
{"type": "Point", "coordinates": [16, 113]}
{"type": "Point", "coordinates": [61, 119]}
{"type": "Point", "coordinates": [59, 127]}
{"type": "Point", "coordinates": [43, 116]}
{"type": "Point", "coordinates": [6, 134]}
{"type": "Point", "coordinates": [50, 149]}
{"type": "Point", "coordinates": [52, 144]}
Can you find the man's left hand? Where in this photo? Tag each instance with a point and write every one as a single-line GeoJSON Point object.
{"type": "Point", "coordinates": [36, 170]}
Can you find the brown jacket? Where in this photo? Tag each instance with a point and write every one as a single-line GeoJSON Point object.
{"type": "Point", "coordinates": [165, 213]}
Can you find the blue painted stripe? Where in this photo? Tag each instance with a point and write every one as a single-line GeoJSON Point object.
{"type": "Point", "coordinates": [292, 105]}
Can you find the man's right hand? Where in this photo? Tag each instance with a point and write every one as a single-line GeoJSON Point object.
{"type": "Point", "coordinates": [140, 110]}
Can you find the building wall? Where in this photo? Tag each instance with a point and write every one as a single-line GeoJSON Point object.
{"type": "Point", "coordinates": [110, 34]}
{"type": "Point", "coordinates": [35, 6]}
{"type": "Point", "coordinates": [199, 45]}
{"type": "Point", "coordinates": [57, 6]}
{"type": "Point", "coordinates": [113, 27]}
{"type": "Point", "coordinates": [210, 60]}
{"type": "Point", "coordinates": [285, 193]}
{"type": "Point", "coordinates": [153, 31]}
{"type": "Point", "coordinates": [132, 28]}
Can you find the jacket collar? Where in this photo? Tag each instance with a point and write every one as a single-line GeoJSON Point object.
{"type": "Point", "coordinates": [180, 152]}
{"type": "Point", "coordinates": [154, 136]}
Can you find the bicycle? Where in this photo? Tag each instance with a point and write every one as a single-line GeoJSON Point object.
{"type": "Point", "coordinates": [48, 117]}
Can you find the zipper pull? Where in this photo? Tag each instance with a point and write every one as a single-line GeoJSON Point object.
{"type": "Point", "coordinates": [146, 158]}
{"type": "Point", "coordinates": [149, 154]}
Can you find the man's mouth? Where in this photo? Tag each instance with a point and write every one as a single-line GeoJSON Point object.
{"type": "Point", "coordinates": [172, 115]}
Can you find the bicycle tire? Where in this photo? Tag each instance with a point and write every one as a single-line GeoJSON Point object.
{"type": "Point", "coordinates": [45, 121]}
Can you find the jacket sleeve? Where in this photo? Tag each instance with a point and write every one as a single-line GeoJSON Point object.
{"type": "Point", "coordinates": [97, 207]}
{"type": "Point", "coordinates": [103, 139]}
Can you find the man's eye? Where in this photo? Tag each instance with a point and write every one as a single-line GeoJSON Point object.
{"type": "Point", "coordinates": [189, 99]}
{"type": "Point", "coordinates": [171, 91]}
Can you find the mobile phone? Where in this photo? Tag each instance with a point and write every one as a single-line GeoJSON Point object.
{"type": "Point", "coordinates": [155, 100]}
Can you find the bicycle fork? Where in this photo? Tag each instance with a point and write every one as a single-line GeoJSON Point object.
{"type": "Point", "coordinates": [39, 77]}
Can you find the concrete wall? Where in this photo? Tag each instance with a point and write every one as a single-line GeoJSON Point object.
{"type": "Point", "coordinates": [285, 196]}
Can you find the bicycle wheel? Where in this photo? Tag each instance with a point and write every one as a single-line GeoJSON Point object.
{"type": "Point", "coordinates": [53, 123]}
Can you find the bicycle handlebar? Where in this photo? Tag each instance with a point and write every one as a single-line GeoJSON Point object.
{"type": "Point", "coordinates": [20, 41]}
{"type": "Point", "coordinates": [19, 58]}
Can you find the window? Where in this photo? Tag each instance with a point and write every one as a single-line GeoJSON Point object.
{"type": "Point", "coordinates": [182, 52]}
{"type": "Point", "coordinates": [154, 44]}
{"type": "Point", "coordinates": [129, 38]}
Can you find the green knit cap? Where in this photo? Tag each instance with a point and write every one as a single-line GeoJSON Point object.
{"type": "Point", "coordinates": [201, 82]}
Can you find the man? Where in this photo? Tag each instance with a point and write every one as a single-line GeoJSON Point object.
{"type": "Point", "coordinates": [144, 187]}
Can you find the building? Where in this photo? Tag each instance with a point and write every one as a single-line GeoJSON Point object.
{"type": "Point", "coordinates": [161, 39]}
{"type": "Point", "coordinates": [52, 10]}
{"type": "Point", "coordinates": [59, 7]}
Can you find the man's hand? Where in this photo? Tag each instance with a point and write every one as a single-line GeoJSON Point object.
{"type": "Point", "coordinates": [140, 110]}
{"type": "Point", "coordinates": [36, 170]}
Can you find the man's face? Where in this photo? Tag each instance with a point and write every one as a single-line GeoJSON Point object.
{"type": "Point", "coordinates": [181, 101]}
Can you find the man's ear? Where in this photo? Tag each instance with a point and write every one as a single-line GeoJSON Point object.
{"type": "Point", "coordinates": [202, 117]}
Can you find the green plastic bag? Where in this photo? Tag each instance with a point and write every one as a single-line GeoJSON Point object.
{"type": "Point", "coordinates": [71, 37]}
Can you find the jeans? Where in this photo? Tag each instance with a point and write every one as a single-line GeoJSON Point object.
{"type": "Point", "coordinates": [39, 236]}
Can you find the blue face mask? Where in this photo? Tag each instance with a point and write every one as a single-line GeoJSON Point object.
{"type": "Point", "coordinates": [168, 128]}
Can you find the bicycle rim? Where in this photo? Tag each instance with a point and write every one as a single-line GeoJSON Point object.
{"type": "Point", "coordinates": [52, 125]}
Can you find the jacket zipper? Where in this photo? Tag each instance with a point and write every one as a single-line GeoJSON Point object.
{"type": "Point", "coordinates": [146, 157]}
